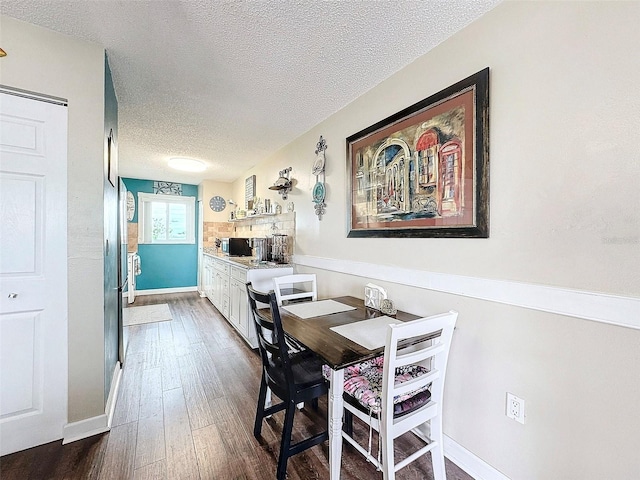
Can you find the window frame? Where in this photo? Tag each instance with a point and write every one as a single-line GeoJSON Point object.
{"type": "Point", "coordinates": [145, 227]}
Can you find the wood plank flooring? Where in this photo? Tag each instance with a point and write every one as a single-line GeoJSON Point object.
{"type": "Point", "coordinates": [185, 410]}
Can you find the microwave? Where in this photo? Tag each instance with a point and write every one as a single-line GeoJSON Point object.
{"type": "Point", "coordinates": [236, 247]}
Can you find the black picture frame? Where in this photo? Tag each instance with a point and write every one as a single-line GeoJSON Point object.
{"type": "Point", "coordinates": [424, 171]}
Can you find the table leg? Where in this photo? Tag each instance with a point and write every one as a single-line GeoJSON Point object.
{"type": "Point", "coordinates": [335, 423]}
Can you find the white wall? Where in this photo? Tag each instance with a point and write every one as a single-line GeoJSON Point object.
{"type": "Point", "coordinates": [208, 189]}
{"type": "Point", "coordinates": [46, 62]}
{"type": "Point", "coordinates": [565, 171]}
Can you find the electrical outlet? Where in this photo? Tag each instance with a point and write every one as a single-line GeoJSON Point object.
{"type": "Point", "coordinates": [515, 408]}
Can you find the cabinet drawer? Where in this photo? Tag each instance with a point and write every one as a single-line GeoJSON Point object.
{"type": "Point", "coordinates": [239, 274]}
{"type": "Point", "coordinates": [222, 267]}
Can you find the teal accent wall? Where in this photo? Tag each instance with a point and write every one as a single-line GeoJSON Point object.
{"type": "Point", "coordinates": [112, 295]}
{"type": "Point", "coordinates": [165, 266]}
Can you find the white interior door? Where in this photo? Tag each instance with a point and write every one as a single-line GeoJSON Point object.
{"type": "Point", "coordinates": [33, 272]}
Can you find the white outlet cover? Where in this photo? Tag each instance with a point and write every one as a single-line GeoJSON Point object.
{"type": "Point", "coordinates": [515, 408]}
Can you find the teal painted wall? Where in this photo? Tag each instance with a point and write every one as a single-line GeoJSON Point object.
{"type": "Point", "coordinates": [112, 297]}
{"type": "Point", "coordinates": [165, 266]}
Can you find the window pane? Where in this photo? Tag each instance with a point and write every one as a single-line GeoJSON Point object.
{"type": "Point", "coordinates": [177, 222]}
{"type": "Point", "coordinates": [159, 221]}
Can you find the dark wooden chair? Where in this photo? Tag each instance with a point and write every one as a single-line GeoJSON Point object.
{"type": "Point", "coordinates": [294, 378]}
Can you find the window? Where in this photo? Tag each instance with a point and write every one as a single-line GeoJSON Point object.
{"type": "Point", "coordinates": [166, 219]}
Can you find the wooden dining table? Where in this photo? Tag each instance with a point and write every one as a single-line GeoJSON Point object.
{"type": "Point", "coordinates": [338, 352]}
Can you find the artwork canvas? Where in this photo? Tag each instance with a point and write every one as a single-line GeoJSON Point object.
{"type": "Point", "coordinates": [249, 190]}
{"type": "Point", "coordinates": [423, 172]}
{"type": "Point", "coordinates": [167, 188]}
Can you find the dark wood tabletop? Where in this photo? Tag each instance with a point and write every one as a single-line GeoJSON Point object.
{"type": "Point", "coordinates": [337, 351]}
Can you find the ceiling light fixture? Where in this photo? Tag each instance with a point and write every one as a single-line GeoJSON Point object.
{"type": "Point", "coordinates": [187, 164]}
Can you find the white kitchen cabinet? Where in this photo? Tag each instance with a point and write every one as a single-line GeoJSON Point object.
{"type": "Point", "coordinates": [238, 307]}
{"type": "Point", "coordinates": [207, 277]}
{"type": "Point", "coordinates": [221, 286]}
{"type": "Point", "coordinates": [228, 291]}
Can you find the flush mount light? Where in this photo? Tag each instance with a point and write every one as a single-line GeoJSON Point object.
{"type": "Point", "coordinates": [187, 164]}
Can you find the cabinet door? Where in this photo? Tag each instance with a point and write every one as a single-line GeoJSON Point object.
{"type": "Point", "coordinates": [234, 306]}
{"type": "Point", "coordinates": [217, 290]}
{"type": "Point", "coordinates": [225, 306]}
{"type": "Point", "coordinates": [208, 280]}
{"type": "Point", "coordinates": [244, 320]}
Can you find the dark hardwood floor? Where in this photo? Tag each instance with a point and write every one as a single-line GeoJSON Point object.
{"type": "Point", "coordinates": [185, 410]}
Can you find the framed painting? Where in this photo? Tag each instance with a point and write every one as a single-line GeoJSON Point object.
{"type": "Point", "coordinates": [424, 172]}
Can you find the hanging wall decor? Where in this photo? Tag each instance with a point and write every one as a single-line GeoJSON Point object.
{"type": "Point", "coordinates": [283, 184]}
{"type": "Point", "coordinates": [167, 188]}
{"type": "Point", "coordinates": [249, 190]}
{"type": "Point", "coordinates": [424, 172]}
{"type": "Point", "coordinates": [318, 193]}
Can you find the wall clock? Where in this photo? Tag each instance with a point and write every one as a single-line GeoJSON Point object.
{"type": "Point", "coordinates": [217, 203]}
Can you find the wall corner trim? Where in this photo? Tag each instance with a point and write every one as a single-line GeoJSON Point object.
{"type": "Point", "coordinates": [598, 307]}
{"type": "Point", "coordinates": [95, 425]}
{"type": "Point", "coordinates": [467, 461]}
{"type": "Point", "coordinates": [85, 428]}
{"type": "Point", "coordinates": [113, 394]}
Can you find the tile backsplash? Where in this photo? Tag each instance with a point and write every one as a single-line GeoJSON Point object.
{"type": "Point", "coordinates": [283, 224]}
{"type": "Point", "coordinates": [132, 237]}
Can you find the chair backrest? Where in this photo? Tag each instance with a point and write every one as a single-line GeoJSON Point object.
{"type": "Point", "coordinates": [276, 362]}
{"type": "Point", "coordinates": [290, 287]}
{"type": "Point", "coordinates": [406, 345]}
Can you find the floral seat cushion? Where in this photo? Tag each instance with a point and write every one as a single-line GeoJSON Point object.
{"type": "Point", "coordinates": [364, 383]}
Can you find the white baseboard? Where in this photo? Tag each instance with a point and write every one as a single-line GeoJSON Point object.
{"type": "Point", "coordinates": [162, 291]}
{"type": "Point", "coordinates": [96, 425]}
{"type": "Point", "coordinates": [598, 307]}
{"type": "Point", "coordinates": [85, 428]}
{"type": "Point", "coordinates": [467, 461]}
{"type": "Point", "coordinates": [113, 393]}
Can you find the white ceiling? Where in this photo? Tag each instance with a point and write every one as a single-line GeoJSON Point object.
{"type": "Point", "coordinates": [230, 82]}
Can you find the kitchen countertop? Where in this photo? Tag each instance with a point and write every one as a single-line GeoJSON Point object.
{"type": "Point", "coordinates": [244, 262]}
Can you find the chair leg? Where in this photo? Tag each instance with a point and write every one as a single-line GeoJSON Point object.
{"type": "Point", "coordinates": [388, 460]}
{"type": "Point", "coordinates": [285, 444]}
{"type": "Point", "coordinates": [314, 404]}
{"type": "Point", "coordinates": [257, 427]}
{"type": "Point", "coordinates": [437, 453]}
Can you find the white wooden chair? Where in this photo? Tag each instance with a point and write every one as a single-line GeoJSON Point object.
{"type": "Point", "coordinates": [408, 394]}
{"type": "Point", "coordinates": [295, 287]}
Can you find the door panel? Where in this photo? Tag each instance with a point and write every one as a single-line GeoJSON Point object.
{"type": "Point", "coordinates": [33, 272]}
{"type": "Point", "coordinates": [20, 340]}
{"type": "Point", "coordinates": [20, 231]}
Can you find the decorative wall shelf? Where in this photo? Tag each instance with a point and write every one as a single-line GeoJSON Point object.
{"type": "Point", "coordinates": [257, 215]}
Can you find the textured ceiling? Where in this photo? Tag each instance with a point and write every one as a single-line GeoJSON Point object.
{"type": "Point", "coordinates": [231, 82]}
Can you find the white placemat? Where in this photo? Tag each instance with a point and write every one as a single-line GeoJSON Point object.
{"type": "Point", "coordinates": [371, 334]}
{"type": "Point", "coordinates": [317, 309]}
